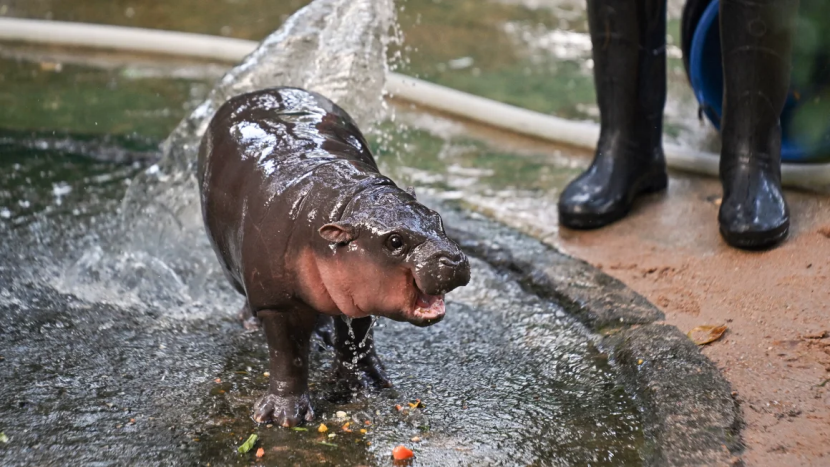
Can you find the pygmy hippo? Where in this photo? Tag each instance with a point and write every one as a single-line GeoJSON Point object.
{"type": "Point", "coordinates": [306, 227]}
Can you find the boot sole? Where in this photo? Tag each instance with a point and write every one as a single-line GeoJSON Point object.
{"type": "Point", "coordinates": [756, 240]}
{"type": "Point", "coordinates": [590, 221]}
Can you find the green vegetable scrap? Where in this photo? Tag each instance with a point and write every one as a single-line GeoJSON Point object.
{"type": "Point", "coordinates": [328, 444]}
{"type": "Point", "coordinates": [247, 445]}
{"type": "Point", "coordinates": [299, 428]}
{"type": "Point", "coordinates": [3, 438]}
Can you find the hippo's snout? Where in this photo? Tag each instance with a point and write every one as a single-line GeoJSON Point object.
{"type": "Point", "coordinates": [460, 268]}
{"type": "Point", "coordinates": [444, 273]}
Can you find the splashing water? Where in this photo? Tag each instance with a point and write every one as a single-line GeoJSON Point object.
{"type": "Point", "coordinates": [334, 47]}
{"type": "Point", "coordinates": [359, 349]}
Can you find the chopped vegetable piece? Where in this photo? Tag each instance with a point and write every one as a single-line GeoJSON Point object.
{"type": "Point", "coordinates": [346, 427]}
{"type": "Point", "coordinates": [401, 453]}
{"type": "Point", "coordinates": [332, 435]}
{"type": "Point", "coordinates": [322, 428]}
{"type": "Point", "coordinates": [416, 405]}
{"type": "Point", "coordinates": [328, 444]}
{"type": "Point", "coordinates": [247, 445]}
{"type": "Point", "coordinates": [340, 414]}
{"type": "Point", "coordinates": [367, 423]}
{"type": "Point", "coordinates": [218, 380]}
{"type": "Point", "coordinates": [398, 407]}
{"type": "Point", "coordinates": [260, 452]}
{"type": "Point", "coordinates": [416, 439]}
{"type": "Point", "coordinates": [640, 361]}
{"type": "Point", "coordinates": [715, 333]}
{"type": "Point", "coordinates": [299, 428]}
{"type": "Point", "coordinates": [363, 431]}
{"type": "Point", "coordinates": [3, 438]}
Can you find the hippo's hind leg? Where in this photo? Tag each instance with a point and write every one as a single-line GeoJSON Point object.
{"type": "Point", "coordinates": [289, 335]}
{"type": "Point", "coordinates": [357, 360]}
{"type": "Point", "coordinates": [249, 321]}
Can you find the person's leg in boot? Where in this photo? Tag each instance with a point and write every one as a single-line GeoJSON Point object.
{"type": "Point", "coordinates": [756, 40]}
{"type": "Point", "coordinates": [629, 50]}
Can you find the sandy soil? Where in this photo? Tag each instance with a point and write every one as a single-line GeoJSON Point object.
{"type": "Point", "coordinates": [776, 304]}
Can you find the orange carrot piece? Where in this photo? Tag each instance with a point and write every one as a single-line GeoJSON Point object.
{"type": "Point", "coordinates": [401, 453]}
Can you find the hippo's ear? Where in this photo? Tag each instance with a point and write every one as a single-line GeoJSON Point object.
{"type": "Point", "coordinates": [338, 232]}
{"type": "Point", "coordinates": [411, 191]}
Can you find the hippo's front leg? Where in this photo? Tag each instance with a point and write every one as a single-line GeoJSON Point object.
{"type": "Point", "coordinates": [356, 356]}
{"type": "Point", "coordinates": [288, 334]}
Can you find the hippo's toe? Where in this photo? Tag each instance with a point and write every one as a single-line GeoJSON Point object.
{"type": "Point", "coordinates": [286, 411]}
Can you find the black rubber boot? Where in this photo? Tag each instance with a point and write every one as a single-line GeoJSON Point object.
{"type": "Point", "coordinates": [629, 50]}
{"type": "Point", "coordinates": [756, 40]}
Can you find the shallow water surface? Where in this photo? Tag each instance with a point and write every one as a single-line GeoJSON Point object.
{"type": "Point", "coordinates": [531, 53]}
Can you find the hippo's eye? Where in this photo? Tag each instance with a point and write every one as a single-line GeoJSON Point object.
{"type": "Point", "coordinates": [394, 242]}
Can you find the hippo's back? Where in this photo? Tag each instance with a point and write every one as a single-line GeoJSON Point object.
{"type": "Point", "coordinates": [258, 152]}
{"type": "Point", "coordinates": [277, 132]}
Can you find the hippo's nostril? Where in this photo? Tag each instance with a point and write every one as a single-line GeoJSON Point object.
{"type": "Point", "coordinates": [447, 262]}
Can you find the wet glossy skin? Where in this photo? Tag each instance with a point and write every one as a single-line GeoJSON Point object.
{"type": "Point", "coordinates": [306, 227]}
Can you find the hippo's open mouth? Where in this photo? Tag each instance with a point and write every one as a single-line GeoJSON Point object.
{"type": "Point", "coordinates": [428, 309]}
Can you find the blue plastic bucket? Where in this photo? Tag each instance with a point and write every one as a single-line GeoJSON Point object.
{"type": "Point", "coordinates": [706, 76]}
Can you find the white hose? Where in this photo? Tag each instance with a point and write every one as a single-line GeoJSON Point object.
{"type": "Point", "coordinates": [497, 114]}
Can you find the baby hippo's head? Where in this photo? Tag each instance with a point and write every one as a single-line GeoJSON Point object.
{"type": "Point", "coordinates": [392, 258]}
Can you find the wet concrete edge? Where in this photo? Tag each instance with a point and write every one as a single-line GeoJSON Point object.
{"type": "Point", "coordinates": [689, 414]}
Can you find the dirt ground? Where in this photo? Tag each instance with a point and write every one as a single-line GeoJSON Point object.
{"type": "Point", "coordinates": [776, 305]}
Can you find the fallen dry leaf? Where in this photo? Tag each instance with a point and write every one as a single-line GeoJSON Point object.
{"type": "Point", "coordinates": [713, 333]}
